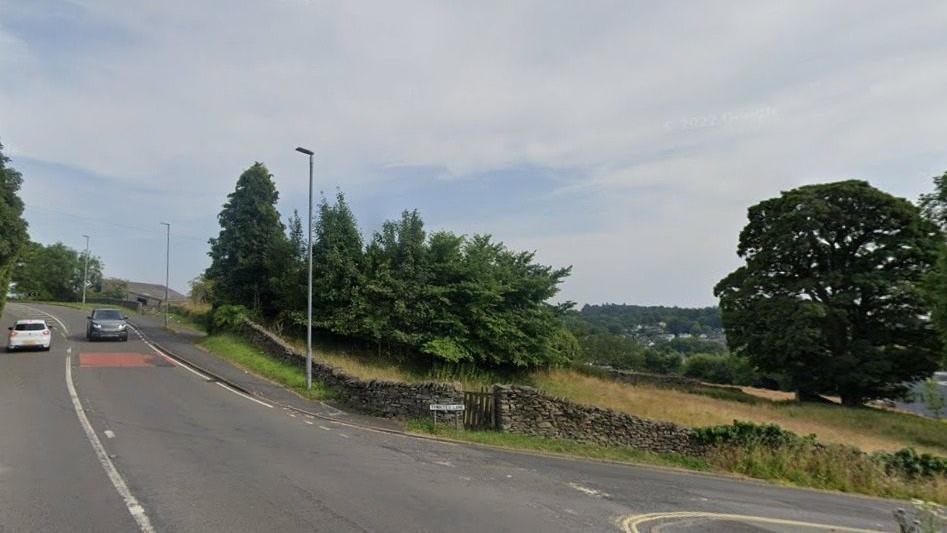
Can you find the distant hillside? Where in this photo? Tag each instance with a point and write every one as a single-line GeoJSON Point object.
{"type": "Point", "coordinates": [621, 319]}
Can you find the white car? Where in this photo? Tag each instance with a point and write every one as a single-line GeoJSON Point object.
{"type": "Point", "coordinates": [34, 333]}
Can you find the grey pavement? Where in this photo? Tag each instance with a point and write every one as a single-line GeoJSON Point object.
{"type": "Point", "coordinates": [201, 457]}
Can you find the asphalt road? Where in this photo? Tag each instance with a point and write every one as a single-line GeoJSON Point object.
{"type": "Point", "coordinates": [178, 452]}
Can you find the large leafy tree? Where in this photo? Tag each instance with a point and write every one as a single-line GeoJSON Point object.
{"type": "Point", "coordinates": [830, 294]}
{"type": "Point", "coordinates": [55, 272]}
{"type": "Point", "coordinates": [251, 253]}
{"type": "Point", "coordinates": [13, 235]}
{"type": "Point", "coordinates": [461, 300]}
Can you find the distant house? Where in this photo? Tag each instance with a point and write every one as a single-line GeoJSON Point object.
{"type": "Point", "coordinates": [151, 294]}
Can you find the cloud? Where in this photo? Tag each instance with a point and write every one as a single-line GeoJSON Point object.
{"type": "Point", "coordinates": [625, 138]}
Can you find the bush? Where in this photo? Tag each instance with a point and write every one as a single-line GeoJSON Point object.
{"type": "Point", "coordinates": [662, 363]}
{"type": "Point", "coordinates": [770, 452]}
{"type": "Point", "coordinates": [229, 317]}
{"type": "Point", "coordinates": [726, 369]}
{"type": "Point", "coordinates": [910, 464]}
{"type": "Point", "coordinates": [749, 434]}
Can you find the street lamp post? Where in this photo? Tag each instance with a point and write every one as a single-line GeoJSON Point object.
{"type": "Point", "coordinates": [309, 300]}
{"type": "Point", "coordinates": [167, 273]}
{"type": "Point", "coordinates": [85, 269]}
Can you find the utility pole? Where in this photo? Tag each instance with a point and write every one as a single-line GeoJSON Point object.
{"type": "Point", "coordinates": [167, 273]}
{"type": "Point", "coordinates": [85, 269]}
{"type": "Point", "coordinates": [309, 302]}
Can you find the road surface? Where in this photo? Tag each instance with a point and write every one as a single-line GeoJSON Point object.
{"type": "Point", "coordinates": [111, 436]}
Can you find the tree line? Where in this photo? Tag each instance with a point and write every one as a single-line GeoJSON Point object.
{"type": "Point", "coordinates": [623, 318]}
{"type": "Point", "coordinates": [55, 272]}
{"type": "Point", "coordinates": [408, 293]}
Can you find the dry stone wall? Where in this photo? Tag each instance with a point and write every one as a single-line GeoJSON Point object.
{"type": "Point", "coordinates": [391, 399]}
{"type": "Point", "coordinates": [532, 412]}
{"type": "Point", "coordinates": [519, 409]}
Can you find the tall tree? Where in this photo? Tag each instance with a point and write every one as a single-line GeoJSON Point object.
{"type": "Point", "coordinates": [251, 253]}
{"type": "Point", "coordinates": [337, 267]}
{"type": "Point", "coordinates": [934, 207]}
{"type": "Point", "coordinates": [297, 238]}
{"type": "Point", "coordinates": [830, 293]}
{"type": "Point", "coordinates": [395, 266]}
{"type": "Point", "coordinates": [13, 236]}
{"type": "Point", "coordinates": [934, 204]}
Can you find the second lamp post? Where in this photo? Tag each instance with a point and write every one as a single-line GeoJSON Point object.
{"type": "Point", "coordinates": [309, 299]}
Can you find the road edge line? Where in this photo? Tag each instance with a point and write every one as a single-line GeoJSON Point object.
{"type": "Point", "coordinates": [131, 503]}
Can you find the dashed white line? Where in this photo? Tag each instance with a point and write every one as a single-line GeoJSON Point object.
{"type": "Point", "coordinates": [343, 435]}
{"type": "Point", "coordinates": [325, 428]}
{"type": "Point", "coordinates": [109, 434]}
{"type": "Point", "coordinates": [131, 503]}
{"type": "Point", "coordinates": [307, 422]}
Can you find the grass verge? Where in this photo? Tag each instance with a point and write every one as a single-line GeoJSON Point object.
{"type": "Point", "coordinates": [831, 468]}
{"type": "Point", "coordinates": [834, 467]}
{"type": "Point", "coordinates": [236, 350]}
{"type": "Point", "coordinates": [559, 446]}
{"type": "Point", "coordinates": [866, 428]}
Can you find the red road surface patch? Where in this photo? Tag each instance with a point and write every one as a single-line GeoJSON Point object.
{"type": "Point", "coordinates": [121, 360]}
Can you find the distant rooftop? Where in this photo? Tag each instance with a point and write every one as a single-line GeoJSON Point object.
{"type": "Point", "coordinates": [153, 290]}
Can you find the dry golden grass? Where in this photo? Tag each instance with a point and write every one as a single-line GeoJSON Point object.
{"type": "Point", "coordinates": [366, 369]}
{"type": "Point", "coordinates": [867, 429]}
{"type": "Point", "coordinates": [772, 395]}
{"type": "Point", "coordinates": [360, 367]}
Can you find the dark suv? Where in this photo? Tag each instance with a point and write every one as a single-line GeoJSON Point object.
{"type": "Point", "coordinates": [107, 324]}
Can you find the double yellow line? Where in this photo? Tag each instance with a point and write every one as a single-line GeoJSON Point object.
{"type": "Point", "coordinates": [630, 524]}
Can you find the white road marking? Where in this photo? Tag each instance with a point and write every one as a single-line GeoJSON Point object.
{"type": "Point", "coordinates": [343, 435]}
{"type": "Point", "coordinates": [247, 396]}
{"type": "Point", "coordinates": [195, 372]}
{"type": "Point", "coordinates": [307, 422]}
{"type": "Point", "coordinates": [65, 330]}
{"type": "Point", "coordinates": [134, 508]}
{"type": "Point", "coordinates": [590, 492]}
{"type": "Point", "coordinates": [109, 434]}
{"type": "Point", "coordinates": [325, 428]}
{"type": "Point", "coordinates": [332, 410]}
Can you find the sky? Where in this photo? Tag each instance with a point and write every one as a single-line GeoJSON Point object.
{"type": "Point", "coordinates": [626, 139]}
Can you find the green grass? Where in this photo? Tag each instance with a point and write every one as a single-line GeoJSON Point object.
{"type": "Point", "coordinates": [236, 350]}
{"type": "Point", "coordinates": [833, 468]}
{"type": "Point", "coordinates": [559, 446]}
{"type": "Point", "coordinates": [838, 468]}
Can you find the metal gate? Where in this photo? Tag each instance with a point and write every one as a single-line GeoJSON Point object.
{"type": "Point", "coordinates": [479, 409]}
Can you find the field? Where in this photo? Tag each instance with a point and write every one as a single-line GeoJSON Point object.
{"type": "Point", "coordinates": [868, 429]}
